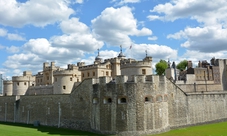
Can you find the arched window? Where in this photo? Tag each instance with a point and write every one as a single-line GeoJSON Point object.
{"type": "Point", "coordinates": [148, 99]}
{"type": "Point", "coordinates": [122, 100]}
{"type": "Point", "coordinates": [95, 100]}
{"type": "Point", "coordinates": [107, 100]}
{"type": "Point", "coordinates": [159, 98]}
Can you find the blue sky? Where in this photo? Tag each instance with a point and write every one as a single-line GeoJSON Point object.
{"type": "Point", "coordinates": [70, 31]}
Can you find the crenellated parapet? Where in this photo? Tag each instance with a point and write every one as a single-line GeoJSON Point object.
{"type": "Point", "coordinates": [23, 78]}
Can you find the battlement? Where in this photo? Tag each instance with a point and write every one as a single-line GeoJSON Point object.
{"type": "Point", "coordinates": [27, 73]}
{"type": "Point", "coordinates": [66, 72]}
{"type": "Point", "coordinates": [125, 79]}
{"type": "Point", "coordinates": [113, 60]}
{"type": "Point", "coordinates": [23, 78]}
{"type": "Point", "coordinates": [101, 65]}
{"type": "Point", "coordinates": [7, 82]}
{"type": "Point", "coordinates": [132, 63]}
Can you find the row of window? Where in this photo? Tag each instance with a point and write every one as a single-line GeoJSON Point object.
{"type": "Point", "coordinates": [123, 100]}
{"type": "Point", "coordinates": [93, 74]}
{"type": "Point", "coordinates": [18, 83]}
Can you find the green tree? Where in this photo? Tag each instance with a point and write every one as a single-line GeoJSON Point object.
{"type": "Point", "coordinates": [161, 66]}
{"type": "Point", "coordinates": [182, 65]}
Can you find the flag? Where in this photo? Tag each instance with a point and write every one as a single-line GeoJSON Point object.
{"type": "Point", "coordinates": [130, 47]}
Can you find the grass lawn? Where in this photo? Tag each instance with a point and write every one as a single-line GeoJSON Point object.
{"type": "Point", "coordinates": [216, 129]}
{"type": "Point", "coordinates": [16, 129]}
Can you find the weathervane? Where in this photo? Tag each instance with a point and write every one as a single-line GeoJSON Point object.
{"type": "Point", "coordinates": [146, 52]}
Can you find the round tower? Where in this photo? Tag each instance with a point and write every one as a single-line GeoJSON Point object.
{"type": "Point", "coordinates": [21, 83]}
{"type": "Point", "coordinates": [65, 79]}
{"type": "Point", "coordinates": [7, 88]}
{"type": "Point", "coordinates": [132, 67]}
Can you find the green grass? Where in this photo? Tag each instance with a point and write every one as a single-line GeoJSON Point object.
{"type": "Point", "coordinates": [17, 129]}
{"type": "Point", "coordinates": [216, 129]}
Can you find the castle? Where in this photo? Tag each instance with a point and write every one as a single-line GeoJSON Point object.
{"type": "Point", "coordinates": [117, 96]}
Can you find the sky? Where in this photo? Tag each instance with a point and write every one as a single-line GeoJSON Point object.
{"type": "Point", "coordinates": [69, 31]}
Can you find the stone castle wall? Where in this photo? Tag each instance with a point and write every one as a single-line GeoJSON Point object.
{"type": "Point", "coordinates": [143, 105]}
{"type": "Point", "coordinates": [40, 90]}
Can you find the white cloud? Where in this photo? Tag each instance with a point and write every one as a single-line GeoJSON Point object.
{"type": "Point", "coordinates": [210, 36]}
{"type": "Point", "coordinates": [2, 47]}
{"type": "Point", "coordinates": [15, 37]}
{"type": "Point", "coordinates": [122, 2]}
{"type": "Point", "coordinates": [3, 32]}
{"type": "Point", "coordinates": [79, 1]}
{"type": "Point", "coordinates": [73, 25]}
{"type": "Point", "coordinates": [157, 52]}
{"type": "Point", "coordinates": [13, 49]}
{"type": "Point", "coordinates": [114, 26]}
{"type": "Point", "coordinates": [77, 36]}
{"type": "Point", "coordinates": [152, 38]}
{"type": "Point", "coordinates": [190, 55]}
{"type": "Point", "coordinates": [38, 13]}
{"type": "Point", "coordinates": [206, 39]}
{"type": "Point", "coordinates": [208, 12]}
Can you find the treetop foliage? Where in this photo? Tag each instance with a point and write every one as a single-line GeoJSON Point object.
{"type": "Point", "coordinates": [161, 66]}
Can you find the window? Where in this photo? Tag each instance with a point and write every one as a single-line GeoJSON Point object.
{"type": "Point", "coordinates": [122, 100]}
{"type": "Point", "coordinates": [78, 80]}
{"type": "Point", "coordinates": [64, 87]}
{"type": "Point", "coordinates": [71, 79]}
{"type": "Point", "coordinates": [107, 73]}
{"type": "Point", "coordinates": [144, 71]}
{"type": "Point", "coordinates": [18, 83]}
{"type": "Point", "coordinates": [148, 99]}
{"type": "Point", "coordinates": [95, 100]}
{"type": "Point", "coordinates": [25, 83]}
{"type": "Point", "coordinates": [82, 74]}
{"type": "Point", "coordinates": [47, 77]}
{"type": "Point", "coordinates": [107, 101]}
{"type": "Point", "coordinates": [93, 73]}
{"type": "Point", "coordinates": [88, 74]}
{"type": "Point", "coordinates": [159, 98]}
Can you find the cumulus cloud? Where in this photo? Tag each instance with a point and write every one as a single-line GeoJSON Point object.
{"type": "Point", "coordinates": [202, 10]}
{"type": "Point", "coordinates": [3, 32]}
{"type": "Point", "coordinates": [38, 13]}
{"type": "Point", "coordinates": [79, 1]}
{"type": "Point", "coordinates": [152, 38]}
{"type": "Point", "coordinates": [13, 49]}
{"type": "Point", "coordinates": [206, 39]}
{"type": "Point", "coordinates": [114, 26]}
{"type": "Point", "coordinates": [138, 51]}
{"type": "Point", "coordinates": [210, 36]}
{"type": "Point", "coordinates": [15, 37]}
{"type": "Point", "coordinates": [2, 47]}
{"type": "Point", "coordinates": [77, 36]}
{"type": "Point", "coordinates": [122, 2]}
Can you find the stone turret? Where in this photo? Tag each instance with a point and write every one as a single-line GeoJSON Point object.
{"type": "Point", "coordinates": [21, 83]}
{"type": "Point", "coordinates": [65, 79]}
{"type": "Point", "coordinates": [7, 88]}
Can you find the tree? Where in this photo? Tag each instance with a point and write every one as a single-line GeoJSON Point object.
{"type": "Point", "coordinates": [161, 66]}
{"type": "Point", "coordinates": [182, 65]}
